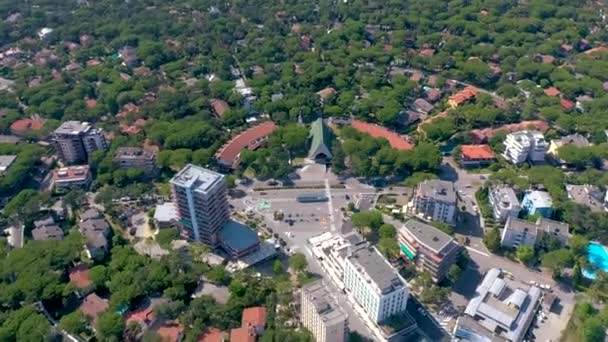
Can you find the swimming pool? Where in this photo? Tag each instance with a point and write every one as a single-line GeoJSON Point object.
{"type": "Point", "coordinates": [597, 256]}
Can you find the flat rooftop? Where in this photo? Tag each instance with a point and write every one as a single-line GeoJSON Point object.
{"type": "Point", "coordinates": [73, 127]}
{"type": "Point", "coordinates": [428, 235]}
{"type": "Point", "coordinates": [503, 306]}
{"type": "Point", "coordinates": [369, 261]}
{"type": "Point", "coordinates": [438, 190]}
{"type": "Point", "coordinates": [324, 303]}
{"type": "Point", "coordinates": [6, 161]}
{"type": "Point", "coordinates": [199, 178]}
{"type": "Point", "coordinates": [238, 236]}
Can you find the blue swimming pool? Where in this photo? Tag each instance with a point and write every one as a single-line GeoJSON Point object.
{"type": "Point", "coordinates": [597, 256]}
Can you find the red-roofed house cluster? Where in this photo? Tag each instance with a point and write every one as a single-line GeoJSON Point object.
{"type": "Point", "coordinates": [480, 136]}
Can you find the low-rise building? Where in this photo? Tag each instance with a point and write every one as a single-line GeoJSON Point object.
{"type": "Point", "coordinates": [476, 155]}
{"type": "Point", "coordinates": [375, 284]}
{"type": "Point", "coordinates": [96, 232]}
{"type": "Point", "coordinates": [6, 162]}
{"type": "Point", "coordinates": [588, 195]}
{"type": "Point", "coordinates": [321, 315]}
{"type": "Point", "coordinates": [228, 156]}
{"type": "Point", "coordinates": [72, 177]}
{"type": "Point", "coordinates": [517, 232]}
{"type": "Point", "coordinates": [500, 310]}
{"type": "Point", "coordinates": [238, 240]}
{"type": "Point", "coordinates": [538, 202]}
{"type": "Point", "coordinates": [165, 215]}
{"type": "Point", "coordinates": [47, 229]}
{"type": "Point", "coordinates": [504, 202]}
{"type": "Point", "coordinates": [136, 158]}
{"type": "Point", "coordinates": [525, 146]}
{"type": "Point", "coordinates": [465, 95]}
{"type": "Point", "coordinates": [92, 306]}
{"type": "Point", "coordinates": [320, 141]}
{"type": "Point", "coordinates": [431, 249]}
{"type": "Point", "coordinates": [435, 200]}
{"type": "Point", "coordinates": [573, 139]}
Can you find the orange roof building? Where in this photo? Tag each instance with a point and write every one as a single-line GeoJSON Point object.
{"type": "Point", "coordinates": [219, 107]}
{"type": "Point", "coordinates": [93, 306]}
{"type": "Point", "coordinates": [476, 155]}
{"type": "Point", "coordinates": [254, 317]}
{"type": "Point", "coordinates": [229, 155]}
{"type": "Point", "coordinates": [552, 91]}
{"type": "Point", "coordinates": [242, 335]}
{"type": "Point", "coordinates": [79, 277]}
{"type": "Point", "coordinates": [26, 125]}
{"type": "Point", "coordinates": [326, 93]}
{"type": "Point", "coordinates": [463, 96]}
{"type": "Point", "coordinates": [566, 104]}
{"type": "Point", "coordinates": [395, 140]}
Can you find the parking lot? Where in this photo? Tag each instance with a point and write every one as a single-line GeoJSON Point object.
{"type": "Point", "coordinates": [301, 221]}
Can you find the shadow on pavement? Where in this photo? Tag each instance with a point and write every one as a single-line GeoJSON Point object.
{"type": "Point", "coordinates": [470, 278]}
{"type": "Point", "coordinates": [448, 173]}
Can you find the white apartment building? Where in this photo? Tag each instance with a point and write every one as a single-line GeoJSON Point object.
{"type": "Point", "coordinates": [375, 284]}
{"type": "Point", "coordinates": [321, 315]}
{"type": "Point", "coordinates": [435, 200]}
{"type": "Point", "coordinates": [200, 199]}
{"type": "Point", "coordinates": [525, 146]}
{"type": "Point", "coordinates": [504, 202]}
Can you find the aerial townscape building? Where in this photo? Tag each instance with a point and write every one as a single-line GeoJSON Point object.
{"type": "Point", "coordinates": [525, 146]}
{"type": "Point", "coordinates": [200, 198]}
{"type": "Point", "coordinates": [431, 249]}
{"type": "Point", "coordinates": [321, 314]}
{"type": "Point", "coordinates": [435, 200]}
{"type": "Point", "coordinates": [500, 311]}
{"type": "Point", "coordinates": [538, 202]}
{"type": "Point", "coordinates": [228, 156]}
{"type": "Point", "coordinates": [136, 158]}
{"type": "Point", "coordinates": [476, 155]}
{"type": "Point", "coordinates": [75, 141]}
{"type": "Point", "coordinates": [72, 177]}
{"type": "Point", "coordinates": [518, 232]}
{"type": "Point", "coordinates": [504, 202]}
{"type": "Point", "coordinates": [320, 141]}
{"type": "Point", "coordinates": [375, 284]}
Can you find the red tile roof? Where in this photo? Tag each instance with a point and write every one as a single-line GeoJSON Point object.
{"type": "Point", "coordinates": [566, 104]}
{"type": "Point", "coordinates": [427, 52]}
{"type": "Point", "coordinates": [254, 317]}
{"type": "Point", "coordinates": [90, 103]}
{"type": "Point", "coordinates": [171, 332]}
{"type": "Point", "coordinates": [327, 92]}
{"type": "Point", "coordinates": [552, 91]}
{"type": "Point", "coordinates": [23, 126]}
{"type": "Point", "coordinates": [464, 95]}
{"type": "Point", "coordinates": [395, 140]}
{"type": "Point", "coordinates": [470, 152]}
{"type": "Point", "coordinates": [482, 135]}
{"type": "Point", "coordinates": [79, 276]}
{"type": "Point", "coordinates": [251, 139]}
{"type": "Point", "coordinates": [219, 106]}
{"type": "Point", "coordinates": [242, 335]}
{"type": "Point", "coordinates": [93, 306]}
{"type": "Point", "coordinates": [144, 315]}
{"type": "Point", "coordinates": [211, 335]}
